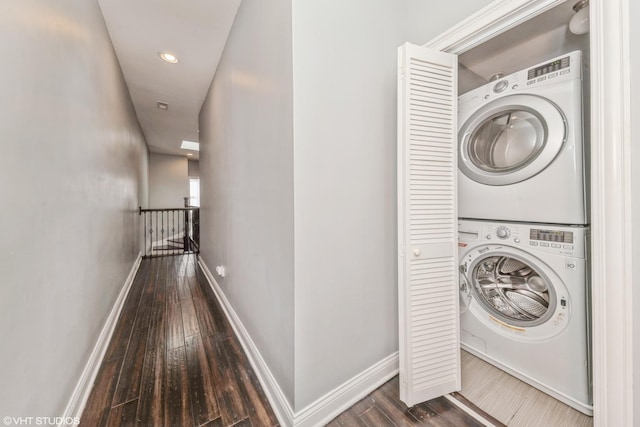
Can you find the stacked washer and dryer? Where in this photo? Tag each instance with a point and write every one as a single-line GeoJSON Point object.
{"type": "Point", "coordinates": [523, 228]}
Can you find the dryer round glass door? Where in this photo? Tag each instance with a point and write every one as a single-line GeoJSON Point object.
{"type": "Point", "coordinates": [513, 289]}
{"type": "Point", "coordinates": [511, 139]}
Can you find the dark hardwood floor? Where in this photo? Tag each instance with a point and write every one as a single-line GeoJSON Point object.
{"type": "Point", "coordinates": [173, 359]}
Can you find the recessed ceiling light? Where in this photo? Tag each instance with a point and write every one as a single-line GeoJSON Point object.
{"type": "Point", "coordinates": [163, 105]}
{"type": "Point", "coordinates": [189, 154]}
{"type": "Point", "coordinates": [168, 57]}
{"type": "Point", "coordinates": [190, 145]}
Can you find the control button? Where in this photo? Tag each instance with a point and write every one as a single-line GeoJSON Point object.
{"type": "Point", "coordinates": [563, 72]}
{"type": "Point", "coordinates": [517, 240]}
{"type": "Point", "coordinates": [503, 232]}
{"type": "Point", "coordinates": [555, 245]}
{"type": "Point", "coordinates": [540, 79]}
{"type": "Point", "coordinates": [530, 82]}
{"type": "Point", "coordinates": [514, 87]}
{"type": "Point", "coordinates": [488, 236]}
{"type": "Point", "coordinates": [501, 86]}
{"type": "Point", "coordinates": [552, 75]}
{"type": "Point", "coordinates": [544, 244]}
{"type": "Point", "coordinates": [568, 246]}
{"type": "Point", "coordinates": [487, 96]}
{"type": "Point", "coordinates": [533, 243]}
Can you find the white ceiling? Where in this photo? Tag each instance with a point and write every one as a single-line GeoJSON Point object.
{"type": "Point", "coordinates": [196, 32]}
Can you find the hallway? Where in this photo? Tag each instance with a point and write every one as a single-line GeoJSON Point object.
{"type": "Point", "coordinates": [173, 358]}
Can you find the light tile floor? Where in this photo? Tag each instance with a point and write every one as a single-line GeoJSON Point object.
{"type": "Point", "coordinates": [512, 401]}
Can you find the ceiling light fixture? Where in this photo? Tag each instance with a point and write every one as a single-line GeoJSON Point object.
{"type": "Point", "coordinates": [162, 105]}
{"type": "Point", "coordinates": [168, 57]}
{"type": "Point", "coordinates": [190, 145]}
{"type": "Point", "coordinates": [579, 23]}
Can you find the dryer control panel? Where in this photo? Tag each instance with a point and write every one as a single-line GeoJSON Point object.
{"type": "Point", "coordinates": [561, 240]}
{"type": "Point", "coordinates": [561, 69]}
{"type": "Point", "coordinates": [550, 68]}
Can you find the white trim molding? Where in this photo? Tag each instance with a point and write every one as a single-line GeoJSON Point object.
{"type": "Point", "coordinates": [611, 214]}
{"type": "Point", "coordinates": [83, 388]}
{"type": "Point", "coordinates": [325, 408]}
{"type": "Point", "coordinates": [496, 18]}
{"type": "Point", "coordinates": [279, 402]}
{"type": "Point", "coordinates": [341, 398]}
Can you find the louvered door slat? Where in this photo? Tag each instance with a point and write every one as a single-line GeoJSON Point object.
{"type": "Point", "coordinates": [427, 217]}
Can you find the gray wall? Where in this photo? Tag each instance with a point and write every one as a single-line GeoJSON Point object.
{"type": "Point", "coordinates": [345, 79]}
{"type": "Point", "coordinates": [246, 174]}
{"type": "Point", "coordinates": [429, 18]}
{"type": "Point", "coordinates": [168, 181]}
{"type": "Point", "coordinates": [345, 189]}
{"type": "Point", "coordinates": [70, 216]}
{"type": "Point", "coordinates": [194, 169]}
{"type": "Point", "coordinates": [340, 87]}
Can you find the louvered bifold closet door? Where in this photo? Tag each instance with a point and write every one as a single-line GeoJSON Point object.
{"type": "Point", "coordinates": [427, 219]}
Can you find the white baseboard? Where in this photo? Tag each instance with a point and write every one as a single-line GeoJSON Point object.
{"type": "Point", "coordinates": [279, 403]}
{"type": "Point", "coordinates": [341, 398]}
{"type": "Point", "coordinates": [83, 388]}
{"type": "Point", "coordinates": [325, 408]}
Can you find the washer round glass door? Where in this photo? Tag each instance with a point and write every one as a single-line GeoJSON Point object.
{"type": "Point", "coordinates": [511, 139]}
{"type": "Point", "coordinates": [512, 288]}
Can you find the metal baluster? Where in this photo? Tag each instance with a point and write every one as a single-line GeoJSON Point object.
{"type": "Point", "coordinates": [196, 230]}
{"type": "Point", "coordinates": [184, 231]}
{"type": "Point", "coordinates": [176, 225]}
{"type": "Point", "coordinates": [144, 235]}
{"type": "Point", "coordinates": [150, 230]}
{"type": "Point", "coordinates": [173, 237]}
{"type": "Point", "coordinates": [150, 247]}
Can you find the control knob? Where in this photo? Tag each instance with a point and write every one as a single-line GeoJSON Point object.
{"type": "Point", "coordinates": [501, 86]}
{"type": "Point", "coordinates": [503, 232]}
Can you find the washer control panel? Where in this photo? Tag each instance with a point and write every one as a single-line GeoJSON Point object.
{"type": "Point", "coordinates": [499, 232]}
{"type": "Point", "coordinates": [561, 240]}
{"type": "Point", "coordinates": [503, 232]}
{"type": "Point", "coordinates": [559, 236]}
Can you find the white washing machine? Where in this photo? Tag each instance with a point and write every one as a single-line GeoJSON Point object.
{"type": "Point", "coordinates": [521, 151]}
{"type": "Point", "coordinates": [525, 304]}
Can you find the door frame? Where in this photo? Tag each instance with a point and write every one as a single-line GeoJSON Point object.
{"type": "Point", "coordinates": [611, 256]}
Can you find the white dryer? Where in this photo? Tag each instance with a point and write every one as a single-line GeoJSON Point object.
{"type": "Point", "coordinates": [521, 151]}
{"type": "Point", "coordinates": [525, 304]}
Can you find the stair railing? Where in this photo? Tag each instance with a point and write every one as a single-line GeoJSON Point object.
{"type": "Point", "coordinates": [170, 231]}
